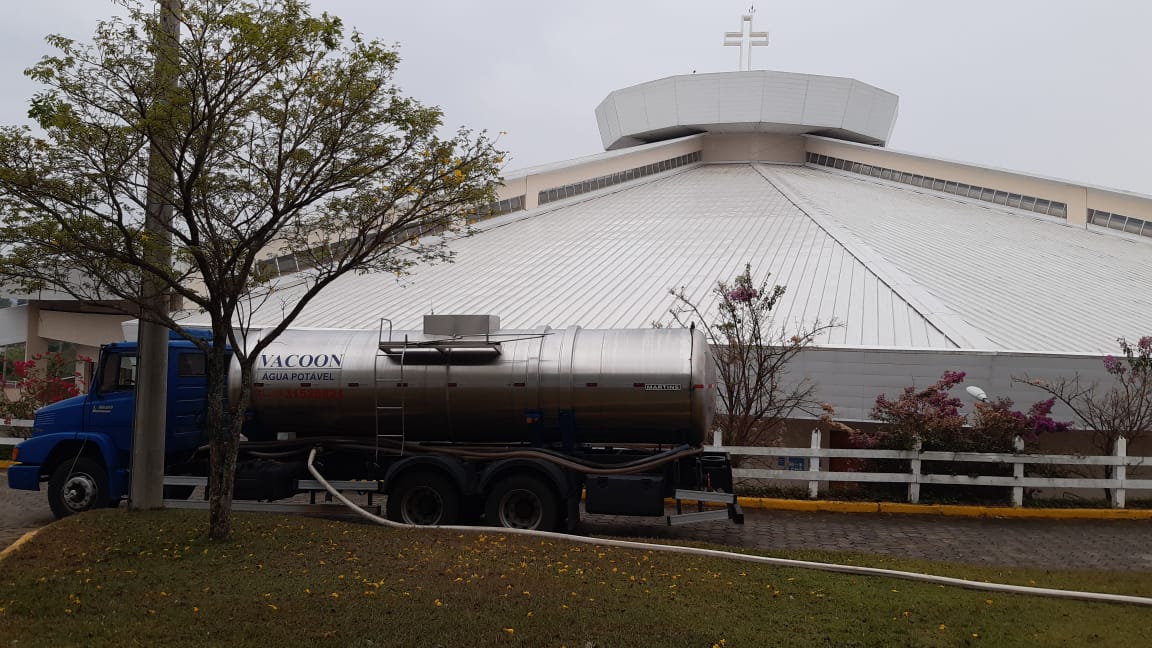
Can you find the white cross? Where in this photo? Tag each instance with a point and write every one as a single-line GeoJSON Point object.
{"type": "Point", "coordinates": [746, 39]}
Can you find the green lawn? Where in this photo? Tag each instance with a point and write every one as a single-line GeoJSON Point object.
{"type": "Point", "coordinates": [110, 578]}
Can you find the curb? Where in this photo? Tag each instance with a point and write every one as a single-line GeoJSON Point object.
{"type": "Point", "coordinates": [832, 506]}
{"type": "Point", "coordinates": [949, 510]}
{"type": "Point", "coordinates": [12, 548]}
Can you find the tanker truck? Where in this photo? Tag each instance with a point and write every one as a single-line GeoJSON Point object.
{"type": "Point", "coordinates": [461, 422]}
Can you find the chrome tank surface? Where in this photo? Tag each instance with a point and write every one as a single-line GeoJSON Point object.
{"type": "Point", "coordinates": [524, 386]}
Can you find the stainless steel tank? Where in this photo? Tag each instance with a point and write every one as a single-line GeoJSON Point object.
{"type": "Point", "coordinates": [520, 386]}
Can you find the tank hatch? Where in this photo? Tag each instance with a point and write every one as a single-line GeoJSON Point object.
{"type": "Point", "coordinates": [460, 325]}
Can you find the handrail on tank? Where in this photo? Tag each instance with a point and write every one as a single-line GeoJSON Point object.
{"type": "Point", "coordinates": [395, 347]}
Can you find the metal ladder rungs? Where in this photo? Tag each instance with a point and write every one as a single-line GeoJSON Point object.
{"type": "Point", "coordinates": [397, 380]}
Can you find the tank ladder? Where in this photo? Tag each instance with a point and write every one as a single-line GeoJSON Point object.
{"type": "Point", "coordinates": [386, 378]}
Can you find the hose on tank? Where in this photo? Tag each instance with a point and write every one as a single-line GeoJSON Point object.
{"type": "Point", "coordinates": [583, 467]}
{"type": "Point", "coordinates": [292, 447]}
{"type": "Point", "coordinates": [763, 560]}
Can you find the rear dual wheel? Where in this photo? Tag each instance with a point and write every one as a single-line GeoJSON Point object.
{"type": "Point", "coordinates": [423, 499]}
{"type": "Point", "coordinates": [522, 502]}
{"type": "Point", "coordinates": [516, 502]}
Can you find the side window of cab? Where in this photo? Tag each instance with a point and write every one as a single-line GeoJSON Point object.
{"type": "Point", "coordinates": [190, 365]}
{"type": "Point", "coordinates": [118, 373]}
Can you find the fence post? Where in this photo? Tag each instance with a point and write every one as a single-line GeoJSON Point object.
{"type": "Point", "coordinates": [717, 437]}
{"type": "Point", "coordinates": [1120, 472]}
{"type": "Point", "coordinates": [914, 485]}
{"type": "Point", "coordinates": [814, 466]}
{"type": "Point", "coordinates": [1018, 473]}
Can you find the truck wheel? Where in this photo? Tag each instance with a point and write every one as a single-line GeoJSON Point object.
{"type": "Point", "coordinates": [77, 486]}
{"type": "Point", "coordinates": [522, 502]}
{"type": "Point", "coordinates": [424, 499]}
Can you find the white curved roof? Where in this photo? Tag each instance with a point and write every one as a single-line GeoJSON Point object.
{"type": "Point", "coordinates": [899, 266]}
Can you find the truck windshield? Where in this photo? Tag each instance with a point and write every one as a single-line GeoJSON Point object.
{"type": "Point", "coordinates": [118, 373]}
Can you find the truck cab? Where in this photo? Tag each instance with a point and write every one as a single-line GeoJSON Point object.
{"type": "Point", "coordinates": [82, 446]}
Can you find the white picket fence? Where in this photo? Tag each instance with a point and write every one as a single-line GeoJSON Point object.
{"type": "Point", "coordinates": [24, 423]}
{"type": "Point", "coordinates": [1118, 484]}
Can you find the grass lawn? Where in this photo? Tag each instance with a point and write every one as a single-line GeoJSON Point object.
{"type": "Point", "coordinates": [112, 578]}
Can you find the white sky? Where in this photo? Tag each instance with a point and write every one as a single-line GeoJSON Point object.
{"type": "Point", "coordinates": [1051, 87]}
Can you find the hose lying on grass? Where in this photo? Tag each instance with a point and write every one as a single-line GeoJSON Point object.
{"type": "Point", "coordinates": [763, 560]}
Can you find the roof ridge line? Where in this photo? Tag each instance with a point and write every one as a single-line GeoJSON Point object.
{"type": "Point", "coordinates": [949, 323]}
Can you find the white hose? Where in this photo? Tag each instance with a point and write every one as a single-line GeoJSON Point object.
{"type": "Point", "coordinates": [763, 560]}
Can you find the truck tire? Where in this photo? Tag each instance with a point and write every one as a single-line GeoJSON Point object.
{"type": "Point", "coordinates": [522, 502]}
{"type": "Point", "coordinates": [77, 486]}
{"type": "Point", "coordinates": [423, 498]}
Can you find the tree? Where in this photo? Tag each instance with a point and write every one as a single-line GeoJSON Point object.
{"type": "Point", "coordinates": [281, 135]}
{"type": "Point", "coordinates": [751, 354]}
{"type": "Point", "coordinates": [1124, 410]}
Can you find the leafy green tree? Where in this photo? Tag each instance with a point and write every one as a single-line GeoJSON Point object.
{"type": "Point", "coordinates": [751, 352]}
{"type": "Point", "coordinates": [278, 133]}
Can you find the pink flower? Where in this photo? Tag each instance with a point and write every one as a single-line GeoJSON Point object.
{"type": "Point", "coordinates": [1113, 365]}
{"type": "Point", "coordinates": [743, 294]}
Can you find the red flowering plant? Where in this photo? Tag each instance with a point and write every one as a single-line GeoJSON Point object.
{"type": "Point", "coordinates": [41, 380]}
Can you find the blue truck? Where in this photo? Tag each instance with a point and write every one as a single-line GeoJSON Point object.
{"type": "Point", "coordinates": [461, 422]}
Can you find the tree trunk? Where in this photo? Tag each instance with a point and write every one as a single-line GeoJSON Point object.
{"type": "Point", "coordinates": [223, 425]}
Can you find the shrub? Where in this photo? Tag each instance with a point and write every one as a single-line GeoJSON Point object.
{"type": "Point", "coordinates": [41, 380]}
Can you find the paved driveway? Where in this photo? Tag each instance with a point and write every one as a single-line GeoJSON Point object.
{"type": "Point", "coordinates": [1118, 545]}
{"type": "Point", "coordinates": [21, 511]}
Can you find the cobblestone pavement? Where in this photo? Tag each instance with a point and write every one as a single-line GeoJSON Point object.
{"type": "Point", "coordinates": [1113, 545]}
{"type": "Point", "coordinates": [21, 511]}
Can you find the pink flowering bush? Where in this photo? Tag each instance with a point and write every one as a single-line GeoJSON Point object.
{"type": "Point", "coordinates": [933, 416]}
{"type": "Point", "coordinates": [997, 425]}
{"type": "Point", "coordinates": [930, 414]}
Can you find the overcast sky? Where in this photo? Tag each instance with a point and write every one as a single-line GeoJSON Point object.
{"type": "Point", "coordinates": [1051, 87]}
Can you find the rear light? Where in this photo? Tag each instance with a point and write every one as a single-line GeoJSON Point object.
{"type": "Point", "coordinates": [16, 453]}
